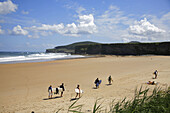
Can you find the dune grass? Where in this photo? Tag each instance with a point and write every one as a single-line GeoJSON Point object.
{"type": "Point", "coordinates": [156, 102]}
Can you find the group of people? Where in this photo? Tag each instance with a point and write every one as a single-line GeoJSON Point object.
{"type": "Point", "coordinates": [156, 75]}
{"type": "Point", "coordinates": [97, 83]}
{"type": "Point", "coordinates": [50, 90]}
{"type": "Point", "coordinates": [78, 90]}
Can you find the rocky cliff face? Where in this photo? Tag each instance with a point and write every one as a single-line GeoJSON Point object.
{"type": "Point", "coordinates": [162, 48]}
{"type": "Point", "coordinates": [125, 49]}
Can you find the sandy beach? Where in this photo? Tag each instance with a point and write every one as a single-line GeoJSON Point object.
{"type": "Point", "coordinates": [23, 86]}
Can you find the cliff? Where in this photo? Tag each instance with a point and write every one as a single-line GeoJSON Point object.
{"type": "Point", "coordinates": [126, 49]}
{"type": "Point", "coordinates": [159, 48]}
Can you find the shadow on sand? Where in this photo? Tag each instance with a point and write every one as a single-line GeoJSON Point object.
{"type": "Point", "coordinates": [108, 84]}
{"type": "Point", "coordinates": [74, 99]}
{"type": "Point", "coordinates": [94, 88]}
{"type": "Point", "coordinates": [52, 98]}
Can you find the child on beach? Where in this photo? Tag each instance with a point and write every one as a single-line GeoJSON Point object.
{"type": "Point", "coordinates": [50, 92]}
{"type": "Point", "coordinates": [78, 93]}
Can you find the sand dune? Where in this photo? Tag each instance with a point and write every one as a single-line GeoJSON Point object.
{"type": "Point", "coordinates": [23, 86]}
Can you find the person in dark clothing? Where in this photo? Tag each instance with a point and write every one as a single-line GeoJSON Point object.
{"type": "Point", "coordinates": [50, 91]}
{"type": "Point", "coordinates": [97, 82]}
{"type": "Point", "coordinates": [155, 73]}
{"type": "Point", "coordinates": [63, 89]}
{"type": "Point", "coordinates": [78, 87]}
{"type": "Point", "coordinates": [110, 79]}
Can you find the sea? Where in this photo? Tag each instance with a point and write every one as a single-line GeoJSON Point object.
{"type": "Point", "coordinates": [22, 57]}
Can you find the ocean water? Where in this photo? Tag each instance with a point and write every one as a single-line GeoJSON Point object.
{"type": "Point", "coordinates": [20, 57]}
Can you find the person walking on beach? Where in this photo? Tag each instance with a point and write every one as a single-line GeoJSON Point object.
{"type": "Point", "coordinates": [110, 80]}
{"type": "Point", "coordinates": [50, 92]}
{"type": "Point", "coordinates": [78, 93]}
{"type": "Point", "coordinates": [63, 89]}
{"type": "Point", "coordinates": [156, 73]}
{"type": "Point", "coordinates": [97, 82]}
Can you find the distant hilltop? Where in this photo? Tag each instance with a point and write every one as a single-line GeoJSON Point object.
{"type": "Point", "coordinates": [69, 48]}
{"type": "Point", "coordinates": [131, 48]}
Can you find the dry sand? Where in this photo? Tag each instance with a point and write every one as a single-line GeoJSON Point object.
{"type": "Point", "coordinates": [23, 86]}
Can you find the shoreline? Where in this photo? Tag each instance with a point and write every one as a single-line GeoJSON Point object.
{"type": "Point", "coordinates": [86, 57]}
{"type": "Point", "coordinates": [24, 86]}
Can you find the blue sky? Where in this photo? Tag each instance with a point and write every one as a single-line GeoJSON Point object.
{"type": "Point", "coordinates": [35, 25]}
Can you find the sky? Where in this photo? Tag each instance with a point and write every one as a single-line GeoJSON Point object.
{"type": "Point", "coordinates": [36, 25]}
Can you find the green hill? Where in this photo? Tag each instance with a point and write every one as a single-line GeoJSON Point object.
{"type": "Point", "coordinates": [69, 48]}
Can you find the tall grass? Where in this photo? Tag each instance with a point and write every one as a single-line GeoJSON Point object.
{"type": "Point", "coordinates": [156, 102]}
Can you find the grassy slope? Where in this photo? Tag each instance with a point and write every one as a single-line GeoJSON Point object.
{"type": "Point", "coordinates": [70, 48]}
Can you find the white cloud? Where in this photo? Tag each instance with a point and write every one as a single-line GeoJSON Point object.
{"type": "Point", "coordinates": [166, 17]}
{"type": "Point", "coordinates": [144, 27]}
{"type": "Point", "coordinates": [1, 31]}
{"type": "Point", "coordinates": [131, 37]}
{"type": "Point", "coordinates": [18, 31]}
{"type": "Point", "coordinates": [35, 35]}
{"type": "Point", "coordinates": [71, 29]}
{"type": "Point", "coordinates": [111, 7]}
{"type": "Point", "coordinates": [43, 33]}
{"type": "Point", "coordinates": [163, 22]}
{"type": "Point", "coordinates": [54, 28]}
{"type": "Point", "coordinates": [125, 40]}
{"type": "Point", "coordinates": [114, 16]}
{"type": "Point", "coordinates": [80, 9]}
{"type": "Point", "coordinates": [45, 30]}
{"type": "Point", "coordinates": [85, 26]}
{"type": "Point", "coordinates": [48, 45]}
{"type": "Point", "coordinates": [25, 12]}
{"type": "Point", "coordinates": [118, 26]}
{"type": "Point", "coordinates": [7, 7]}
{"type": "Point", "coordinates": [113, 23]}
{"type": "Point", "coordinates": [143, 30]}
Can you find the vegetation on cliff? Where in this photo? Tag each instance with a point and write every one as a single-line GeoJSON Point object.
{"type": "Point", "coordinates": [69, 48]}
{"type": "Point", "coordinates": [132, 48]}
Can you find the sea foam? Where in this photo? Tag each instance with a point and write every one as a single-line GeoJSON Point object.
{"type": "Point", "coordinates": [35, 57]}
